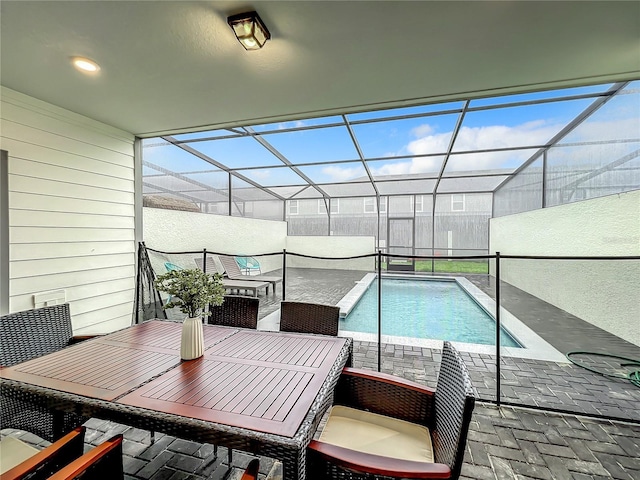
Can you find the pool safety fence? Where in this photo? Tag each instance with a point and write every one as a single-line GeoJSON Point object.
{"type": "Point", "coordinates": [149, 303]}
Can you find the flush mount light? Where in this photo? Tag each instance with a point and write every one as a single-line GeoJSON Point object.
{"type": "Point", "coordinates": [85, 65]}
{"type": "Point", "coordinates": [250, 30]}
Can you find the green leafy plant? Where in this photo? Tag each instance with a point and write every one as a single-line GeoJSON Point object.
{"type": "Point", "coordinates": [191, 290]}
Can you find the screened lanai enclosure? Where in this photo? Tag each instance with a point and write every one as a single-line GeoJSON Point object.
{"type": "Point", "coordinates": [422, 180]}
{"type": "Point", "coordinates": [550, 179]}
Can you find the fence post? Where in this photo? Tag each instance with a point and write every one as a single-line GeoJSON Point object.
{"type": "Point", "coordinates": [284, 273]}
{"type": "Point", "coordinates": [380, 309]}
{"type": "Point", "coordinates": [498, 328]}
{"type": "Point", "coordinates": [140, 246]}
{"type": "Point", "coordinates": [204, 260]}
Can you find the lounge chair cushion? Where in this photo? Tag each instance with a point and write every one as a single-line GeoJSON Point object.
{"type": "Point", "coordinates": [13, 452]}
{"type": "Point", "coordinates": [376, 434]}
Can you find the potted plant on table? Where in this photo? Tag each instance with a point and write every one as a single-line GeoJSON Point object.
{"type": "Point", "coordinates": [191, 291]}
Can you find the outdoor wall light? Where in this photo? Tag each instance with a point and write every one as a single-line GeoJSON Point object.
{"type": "Point", "coordinates": [251, 32]}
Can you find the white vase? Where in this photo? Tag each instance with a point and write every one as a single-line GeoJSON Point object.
{"type": "Point", "coordinates": [192, 342]}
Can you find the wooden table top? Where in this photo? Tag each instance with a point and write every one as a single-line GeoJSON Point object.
{"type": "Point", "coordinates": [263, 381]}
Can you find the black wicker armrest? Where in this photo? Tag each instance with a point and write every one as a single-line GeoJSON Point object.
{"type": "Point", "coordinates": [377, 464]}
{"type": "Point", "coordinates": [387, 395]}
{"type": "Point", "coordinates": [81, 338]}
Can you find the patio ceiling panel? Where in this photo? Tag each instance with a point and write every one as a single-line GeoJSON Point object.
{"type": "Point", "coordinates": [244, 191]}
{"type": "Point", "coordinates": [163, 154]}
{"type": "Point", "coordinates": [325, 144]}
{"type": "Point", "coordinates": [483, 162]}
{"type": "Point", "coordinates": [516, 126]}
{"type": "Point", "coordinates": [361, 189]}
{"type": "Point", "coordinates": [406, 167]}
{"type": "Point", "coordinates": [281, 127]}
{"type": "Point", "coordinates": [208, 134]}
{"type": "Point", "coordinates": [308, 192]}
{"type": "Point", "coordinates": [423, 186]}
{"type": "Point", "coordinates": [238, 152]}
{"type": "Point", "coordinates": [273, 177]}
{"type": "Point", "coordinates": [335, 173]}
{"type": "Point", "coordinates": [454, 147]}
{"type": "Point", "coordinates": [172, 183]}
{"type": "Point", "coordinates": [405, 112]}
{"type": "Point", "coordinates": [405, 136]}
{"type": "Point", "coordinates": [470, 184]}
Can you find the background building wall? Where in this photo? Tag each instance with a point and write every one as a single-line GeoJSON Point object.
{"type": "Point", "coordinates": [604, 293]}
{"type": "Point", "coordinates": [71, 212]}
{"type": "Point", "coordinates": [332, 247]}
{"type": "Point", "coordinates": [171, 230]}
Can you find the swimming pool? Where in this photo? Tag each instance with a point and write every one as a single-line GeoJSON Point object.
{"type": "Point", "coordinates": [425, 308]}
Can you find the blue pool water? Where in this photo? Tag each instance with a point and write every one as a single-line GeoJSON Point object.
{"type": "Point", "coordinates": [434, 309]}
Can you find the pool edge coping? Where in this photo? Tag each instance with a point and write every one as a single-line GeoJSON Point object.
{"type": "Point", "coordinates": [534, 346]}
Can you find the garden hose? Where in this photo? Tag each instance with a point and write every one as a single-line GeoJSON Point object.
{"type": "Point", "coordinates": [633, 376]}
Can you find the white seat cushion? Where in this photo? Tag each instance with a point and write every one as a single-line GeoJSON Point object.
{"type": "Point", "coordinates": [13, 452]}
{"type": "Point", "coordinates": [377, 434]}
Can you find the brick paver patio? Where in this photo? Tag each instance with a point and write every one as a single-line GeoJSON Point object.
{"type": "Point", "coordinates": [504, 442]}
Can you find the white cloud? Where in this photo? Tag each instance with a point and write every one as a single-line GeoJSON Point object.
{"type": "Point", "coordinates": [479, 138]}
{"type": "Point", "coordinates": [342, 174]}
{"type": "Point", "coordinates": [422, 130]}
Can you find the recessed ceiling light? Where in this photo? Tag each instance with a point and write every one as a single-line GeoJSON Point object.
{"type": "Point", "coordinates": [85, 65]}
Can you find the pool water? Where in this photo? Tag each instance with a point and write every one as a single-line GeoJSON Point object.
{"type": "Point", "coordinates": [434, 309]}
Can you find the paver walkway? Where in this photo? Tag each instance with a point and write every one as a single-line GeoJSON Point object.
{"type": "Point", "coordinates": [503, 443]}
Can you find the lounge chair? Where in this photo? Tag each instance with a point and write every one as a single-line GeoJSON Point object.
{"type": "Point", "coordinates": [234, 273]}
{"type": "Point", "coordinates": [233, 284]}
{"type": "Point", "coordinates": [248, 265]}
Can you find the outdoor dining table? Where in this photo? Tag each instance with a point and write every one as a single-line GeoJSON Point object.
{"type": "Point", "coordinates": [256, 391]}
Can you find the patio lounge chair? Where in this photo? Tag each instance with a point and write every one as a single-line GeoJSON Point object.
{"type": "Point", "coordinates": [248, 265]}
{"type": "Point", "coordinates": [383, 426]}
{"type": "Point", "coordinates": [26, 335]}
{"type": "Point", "coordinates": [234, 273]}
{"type": "Point", "coordinates": [303, 317]}
{"type": "Point", "coordinates": [232, 284]}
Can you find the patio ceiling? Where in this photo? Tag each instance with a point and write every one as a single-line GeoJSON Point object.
{"type": "Point", "coordinates": [467, 146]}
{"type": "Point", "coordinates": [175, 65]}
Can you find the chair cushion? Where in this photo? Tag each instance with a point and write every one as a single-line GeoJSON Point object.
{"type": "Point", "coordinates": [13, 452]}
{"type": "Point", "coordinates": [377, 434]}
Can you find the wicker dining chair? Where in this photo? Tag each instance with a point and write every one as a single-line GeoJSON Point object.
{"type": "Point", "coordinates": [26, 335]}
{"type": "Point", "coordinates": [386, 427]}
{"type": "Point", "coordinates": [235, 311]}
{"type": "Point", "coordinates": [303, 317]}
{"type": "Point", "coordinates": [19, 460]}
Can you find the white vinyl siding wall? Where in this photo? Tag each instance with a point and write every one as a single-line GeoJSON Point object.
{"type": "Point", "coordinates": [71, 212]}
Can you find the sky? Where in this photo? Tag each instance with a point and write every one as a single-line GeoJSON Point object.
{"type": "Point", "coordinates": [400, 145]}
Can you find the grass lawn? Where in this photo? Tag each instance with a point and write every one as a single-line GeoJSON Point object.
{"type": "Point", "coordinates": [453, 266]}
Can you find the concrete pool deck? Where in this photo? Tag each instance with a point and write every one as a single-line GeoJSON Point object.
{"type": "Point", "coordinates": [541, 383]}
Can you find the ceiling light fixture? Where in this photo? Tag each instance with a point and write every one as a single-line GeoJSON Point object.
{"type": "Point", "coordinates": [85, 65]}
{"type": "Point", "coordinates": [250, 30]}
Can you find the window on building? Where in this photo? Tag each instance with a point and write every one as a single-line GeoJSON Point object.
{"type": "Point", "coordinates": [335, 206]}
{"type": "Point", "coordinates": [383, 204]}
{"type": "Point", "coordinates": [369, 205]}
{"type": "Point", "coordinates": [419, 203]}
{"type": "Point", "coordinates": [322, 207]}
{"type": "Point", "coordinates": [457, 202]}
{"type": "Point", "coordinates": [292, 206]}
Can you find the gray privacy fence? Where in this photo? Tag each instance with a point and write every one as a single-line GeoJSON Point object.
{"type": "Point", "coordinates": [594, 382]}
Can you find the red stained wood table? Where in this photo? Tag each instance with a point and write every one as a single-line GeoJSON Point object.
{"type": "Point", "coordinates": [261, 392]}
